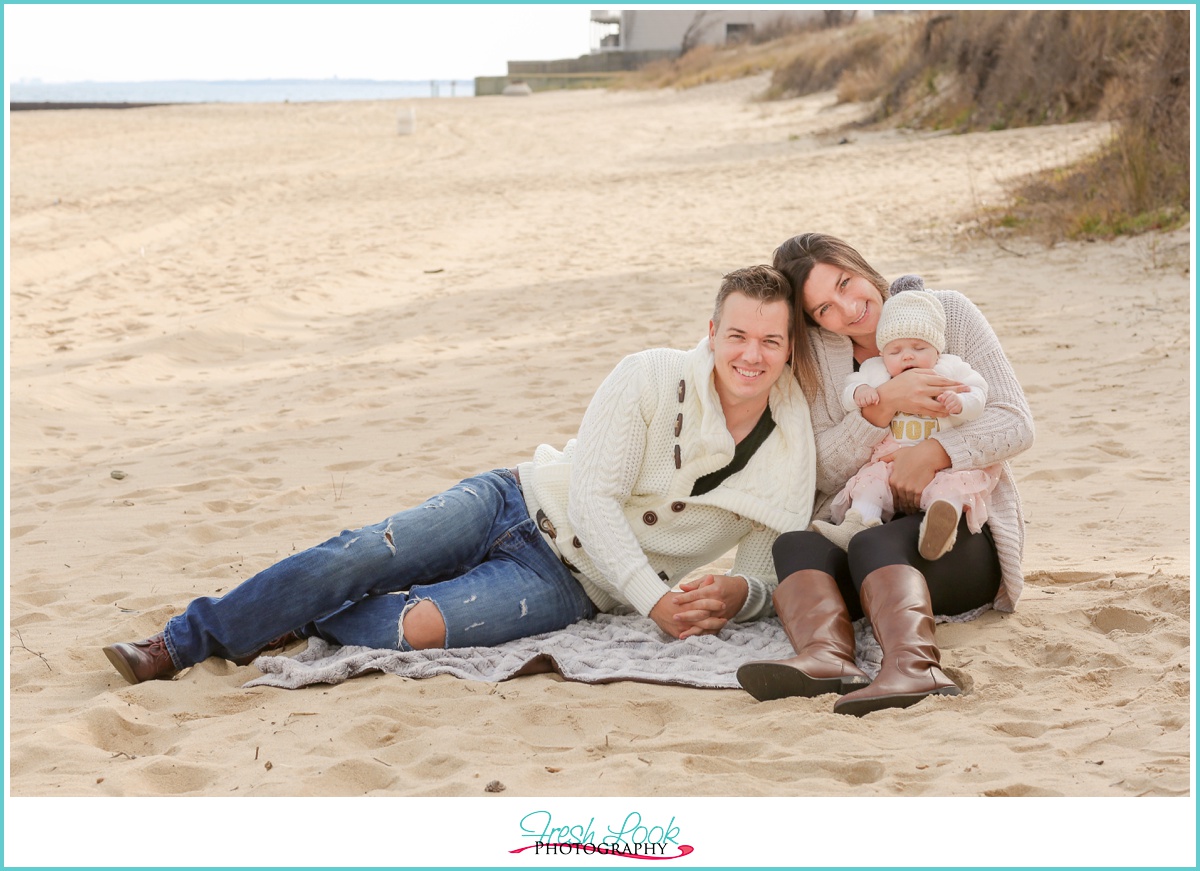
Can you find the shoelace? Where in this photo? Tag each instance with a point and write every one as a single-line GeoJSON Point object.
{"type": "Point", "coordinates": [156, 646]}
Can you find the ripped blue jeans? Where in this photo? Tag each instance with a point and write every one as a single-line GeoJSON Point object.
{"type": "Point", "coordinates": [473, 551]}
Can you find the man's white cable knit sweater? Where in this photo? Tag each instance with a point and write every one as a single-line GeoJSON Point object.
{"type": "Point", "coordinates": [845, 439]}
{"type": "Point", "coordinates": [617, 503]}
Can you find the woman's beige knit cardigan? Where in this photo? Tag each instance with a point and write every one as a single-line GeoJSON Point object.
{"type": "Point", "coordinates": [845, 439]}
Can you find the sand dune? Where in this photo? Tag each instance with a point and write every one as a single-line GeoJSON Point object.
{"type": "Point", "coordinates": [280, 321]}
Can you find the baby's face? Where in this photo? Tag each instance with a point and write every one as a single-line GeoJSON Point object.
{"type": "Point", "coordinates": [900, 355]}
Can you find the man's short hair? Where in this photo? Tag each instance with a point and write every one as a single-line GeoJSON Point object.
{"type": "Point", "coordinates": [762, 283]}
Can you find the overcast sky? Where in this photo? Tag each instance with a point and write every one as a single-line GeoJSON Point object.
{"type": "Point", "coordinates": [162, 42]}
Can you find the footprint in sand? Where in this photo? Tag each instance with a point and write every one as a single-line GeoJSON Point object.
{"type": "Point", "coordinates": [1109, 620]}
{"type": "Point", "coordinates": [1021, 729]}
{"type": "Point", "coordinates": [859, 773]}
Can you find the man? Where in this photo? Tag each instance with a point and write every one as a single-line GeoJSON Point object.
{"type": "Point", "coordinates": [681, 456]}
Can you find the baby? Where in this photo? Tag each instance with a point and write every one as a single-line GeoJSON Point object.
{"type": "Point", "coordinates": [912, 335]}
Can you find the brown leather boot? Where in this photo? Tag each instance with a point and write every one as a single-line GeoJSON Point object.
{"type": "Point", "coordinates": [142, 660]}
{"type": "Point", "coordinates": [897, 601]}
{"type": "Point", "coordinates": [816, 621]}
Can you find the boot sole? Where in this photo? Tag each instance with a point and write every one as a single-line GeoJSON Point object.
{"type": "Point", "coordinates": [941, 522]}
{"type": "Point", "coordinates": [862, 707]}
{"type": "Point", "coordinates": [121, 665]}
{"type": "Point", "coordinates": [767, 681]}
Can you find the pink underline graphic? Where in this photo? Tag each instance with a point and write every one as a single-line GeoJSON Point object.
{"type": "Point", "coordinates": [684, 850]}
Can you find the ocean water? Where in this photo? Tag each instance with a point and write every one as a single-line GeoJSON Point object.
{"type": "Point", "coordinates": [261, 91]}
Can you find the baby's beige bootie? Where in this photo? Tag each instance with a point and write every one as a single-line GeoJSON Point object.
{"type": "Point", "coordinates": [939, 529]}
{"type": "Point", "coordinates": [850, 526]}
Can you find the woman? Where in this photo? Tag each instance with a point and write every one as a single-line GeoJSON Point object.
{"type": "Point", "coordinates": [838, 300]}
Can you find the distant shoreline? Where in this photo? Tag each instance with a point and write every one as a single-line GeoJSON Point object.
{"type": "Point", "coordinates": [103, 95]}
{"type": "Point", "coordinates": [25, 107]}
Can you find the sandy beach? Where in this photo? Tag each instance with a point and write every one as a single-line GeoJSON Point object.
{"type": "Point", "coordinates": [238, 329]}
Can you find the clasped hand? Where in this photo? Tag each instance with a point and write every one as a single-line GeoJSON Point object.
{"type": "Point", "coordinates": [703, 608]}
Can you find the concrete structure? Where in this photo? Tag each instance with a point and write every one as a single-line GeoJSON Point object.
{"type": "Point", "coordinates": [679, 30]}
{"type": "Point", "coordinates": [594, 70]}
{"type": "Point", "coordinates": [629, 39]}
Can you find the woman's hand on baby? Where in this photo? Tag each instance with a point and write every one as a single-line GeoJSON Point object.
{"type": "Point", "coordinates": [916, 392]}
{"type": "Point", "coordinates": [912, 470]}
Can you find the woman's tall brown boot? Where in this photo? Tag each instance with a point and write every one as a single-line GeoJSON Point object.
{"type": "Point", "coordinates": [816, 621]}
{"type": "Point", "coordinates": [896, 600]}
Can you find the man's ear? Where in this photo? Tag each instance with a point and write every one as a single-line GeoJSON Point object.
{"type": "Point", "coordinates": [712, 332]}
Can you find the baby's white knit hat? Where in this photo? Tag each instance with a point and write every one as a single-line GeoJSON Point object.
{"type": "Point", "coordinates": [913, 314]}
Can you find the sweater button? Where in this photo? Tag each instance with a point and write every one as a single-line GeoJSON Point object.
{"type": "Point", "coordinates": [575, 541]}
{"type": "Point", "coordinates": [677, 507]}
{"type": "Point", "coordinates": [650, 518]}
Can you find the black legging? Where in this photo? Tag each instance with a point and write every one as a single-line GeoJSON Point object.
{"type": "Point", "coordinates": [963, 579]}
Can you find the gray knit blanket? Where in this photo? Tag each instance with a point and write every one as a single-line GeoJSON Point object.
{"type": "Point", "coordinates": [607, 648]}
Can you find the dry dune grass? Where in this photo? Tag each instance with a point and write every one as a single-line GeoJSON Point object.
{"type": "Point", "coordinates": [991, 70]}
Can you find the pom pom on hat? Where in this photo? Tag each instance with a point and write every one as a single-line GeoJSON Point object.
{"type": "Point", "coordinates": [906, 282]}
{"type": "Point", "coordinates": [914, 314]}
